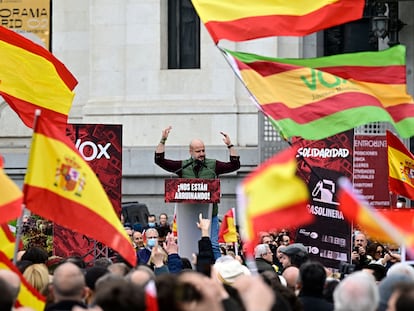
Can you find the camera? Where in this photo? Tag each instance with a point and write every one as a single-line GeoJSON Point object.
{"type": "Point", "coordinates": [356, 249]}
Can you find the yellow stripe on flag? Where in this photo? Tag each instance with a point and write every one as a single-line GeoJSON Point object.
{"type": "Point", "coordinates": [219, 10]}
{"type": "Point", "coordinates": [32, 78]}
{"type": "Point", "coordinates": [291, 89]}
{"type": "Point", "coordinates": [7, 241]}
{"type": "Point", "coordinates": [275, 188]}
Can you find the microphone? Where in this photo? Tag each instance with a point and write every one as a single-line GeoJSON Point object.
{"type": "Point", "coordinates": [185, 166]}
{"type": "Point", "coordinates": [201, 163]}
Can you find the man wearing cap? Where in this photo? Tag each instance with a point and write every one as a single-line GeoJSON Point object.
{"type": "Point", "coordinates": [293, 255]}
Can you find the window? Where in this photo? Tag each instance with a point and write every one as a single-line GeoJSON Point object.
{"type": "Point", "coordinates": [183, 35]}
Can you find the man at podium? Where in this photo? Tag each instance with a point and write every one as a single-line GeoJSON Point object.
{"type": "Point", "coordinates": [198, 166]}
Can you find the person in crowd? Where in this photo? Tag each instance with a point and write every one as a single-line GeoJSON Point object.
{"type": "Point", "coordinates": [119, 268]}
{"type": "Point", "coordinates": [163, 220]}
{"type": "Point", "coordinates": [138, 240]}
{"type": "Point", "coordinates": [144, 254]}
{"type": "Point", "coordinates": [120, 295]}
{"type": "Point", "coordinates": [151, 222]}
{"type": "Point", "coordinates": [198, 166]}
{"type": "Point", "coordinates": [311, 283]}
{"type": "Point", "coordinates": [11, 285]}
{"type": "Point", "coordinates": [169, 253]}
{"type": "Point", "coordinates": [357, 292]}
{"type": "Point", "coordinates": [227, 269]}
{"type": "Point", "coordinates": [68, 287]}
{"type": "Point", "coordinates": [291, 275]}
{"type": "Point", "coordinates": [376, 251]}
{"type": "Point", "coordinates": [92, 274]}
{"type": "Point", "coordinates": [141, 275]}
{"type": "Point", "coordinates": [38, 276]}
{"type": "Point", "coordinates": [128, 229]}
{"type": "Point", "coordinates": [398, 273]}
{"type": "Point", "coordinates": [7, 298]}
{"type": "Point", "coordinates": [35, 254]}
{"type": "Point", "coordinates": [402, 297]}
{"type": "Point", "coordinates": [392, 256]}
{"type": "Point", "coordinates": [401, 202]}
{"type": "Point", "coordinates": [359, 254]}
{"type": "Point", "coordinates": [293, 255]}
{"type": "Point", "coordinates": [264, 258]}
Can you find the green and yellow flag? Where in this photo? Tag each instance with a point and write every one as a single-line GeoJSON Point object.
{"type": "Point", "coordinates": [318, 97]}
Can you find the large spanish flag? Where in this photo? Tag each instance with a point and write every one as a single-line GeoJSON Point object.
{"type": "Point", "coordinates": [28, 296]}
{"type": "Point", "coordinates": [400, 167]}
{"type": "Point", "coordinates": [61, 186]}
{"type": "Point", "coordinates": [319, 97]}
{"type": "Point", "coordinates": [240, 20]}
{"type": "Point", "coordinates": [32, 78]}
{"type": "Point", "coordinates": [273, 197]}
{"type": "Point", "coordinates": [11, 197]}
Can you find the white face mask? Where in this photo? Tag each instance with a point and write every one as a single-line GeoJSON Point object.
{"type": "Point", "coordinates": [399, 204]}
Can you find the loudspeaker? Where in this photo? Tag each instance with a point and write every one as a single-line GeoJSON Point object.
{"type": "Point", "coordinates": [136, 214]}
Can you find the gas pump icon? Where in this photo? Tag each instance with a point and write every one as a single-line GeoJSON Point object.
{"type": "Point", "coordinates": [324, 191]}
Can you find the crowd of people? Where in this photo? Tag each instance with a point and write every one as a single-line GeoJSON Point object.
{"type": "Point", "coordinates": [279, 277]}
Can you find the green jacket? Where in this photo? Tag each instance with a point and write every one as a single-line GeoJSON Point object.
{"type": "Point", "coordinates": [199, 171]}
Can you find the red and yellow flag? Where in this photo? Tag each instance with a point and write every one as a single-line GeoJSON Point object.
{"type": "Point", "coordinates": [400, 167]}
{"type": "Point", "coordinates": [174, 224]}
{"type": "Point", "coordinates": [318, 97]}
{"type": "Point", "coordinates": [7, 241]}
{"type": "Point", "coordinates": [61, 186]}
{"type": "Point", "coordinates": [28, 296]}
{"type": "Point", "coordinates": [11, 197]}
{"type": "Point", "coordinates": [240, 20]}
{"type": "Point", "coordinates": [32, 78]}
{"type": "Point", "coordinates": [273, 197]}
{"type": "Point", "coordinates": [378, 225]}
{"type": "Point", "coordinates": [228, 232]}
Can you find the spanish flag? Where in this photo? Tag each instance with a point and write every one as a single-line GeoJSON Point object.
{"type": "Point", "coordinates": [400, 167]}
{"type": "Point", "coordinates": [272, 197]}
{"type": "Point", "coordinates": [28, 296]}
{"type": "Point", "coordinates": [228, 232]}
{"type": "Point", "coordinates": [11, 197]}
{"type": "Point", "coordinates": [32, 78]}
{"type": "Point", "coordinates": [61, 186]}
{"type": "Point", "coordinates": [384, 226]}
{"type": "Point", "coordinates": [7, 241]}
{"type": "Point", "coordinates": [318, 97]}
{"type": "Point", "coordinates": [240, 20]}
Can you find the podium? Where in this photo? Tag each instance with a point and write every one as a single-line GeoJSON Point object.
{"type": "Point", "coordinates": [191, 196]}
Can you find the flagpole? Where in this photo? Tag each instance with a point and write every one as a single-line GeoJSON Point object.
{"type": "Point", "coordinates": [20, 219]}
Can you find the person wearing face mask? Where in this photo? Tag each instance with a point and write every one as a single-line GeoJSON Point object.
{"type": "Point", "coordinates": [152, 222]}
{"type": "Point", "coordinates": [169, 249]}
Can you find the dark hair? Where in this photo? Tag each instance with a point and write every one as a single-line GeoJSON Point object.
{"type": "Point", "coordinates": [120, 295]}
{"type": "Point", "coordinates": [312, 275]}
{"type": "Point", "coordinates": [7, 296]}
{"type": "Point", "coordinates": [298, 259]}
{"type": "Point", "coordinates": [35, 255]}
